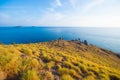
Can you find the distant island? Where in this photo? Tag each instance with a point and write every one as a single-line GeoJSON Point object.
{"type": "Point", "coordinates": [58, 60]}
{"type": "Point", "coordinates": [18, 26]}
{"type": "Point", "coordinates": [23, 26]}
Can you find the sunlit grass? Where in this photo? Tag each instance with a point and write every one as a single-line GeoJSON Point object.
{"type": "Point", "coordinates": [40, 61]}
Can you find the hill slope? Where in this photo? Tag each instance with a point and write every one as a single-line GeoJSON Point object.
{"type": "Point", "coordinates": [58, 60]}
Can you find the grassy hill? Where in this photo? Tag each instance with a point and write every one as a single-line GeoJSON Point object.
{"type": "Point", "coordinates": [58, 60]}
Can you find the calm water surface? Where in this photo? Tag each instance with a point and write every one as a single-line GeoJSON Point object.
{"type": "Point", "coordinates": [108, 38]}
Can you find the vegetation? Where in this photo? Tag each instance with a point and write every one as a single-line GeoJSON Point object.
{"type": "Point", "coordinates": [58, 60]}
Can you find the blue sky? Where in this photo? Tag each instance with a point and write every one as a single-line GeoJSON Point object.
{"type": "Point", "coordinates": [98, 13]}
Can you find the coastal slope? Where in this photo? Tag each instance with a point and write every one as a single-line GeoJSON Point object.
{"type": "Point", "coordinates": [58, 60]}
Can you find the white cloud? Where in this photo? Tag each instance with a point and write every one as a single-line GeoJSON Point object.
{"type": "Point", "coordinates": [89, 21]}
{"type": "Point", "coordinates": [56, 3]}
{"type": "Point", "coordinates": [73, 3]}
{"type": "Point", "coordinates": [51, 18]}
{"type": "Point", "coordinates": [50, 9]}
{"type": "Point", "coordinates": [100, 21]}
{"type": "Point", "coordinates": [60, 14]}
{"type": "Point", "coordinates": [92, 4]}
{"type": "Point", "coordinates": [4, 17]}
{"type": "Point", "coordinates": [50, 15]}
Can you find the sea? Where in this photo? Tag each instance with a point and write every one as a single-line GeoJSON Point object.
{"type": "Point", "coordinates": [108, 38]}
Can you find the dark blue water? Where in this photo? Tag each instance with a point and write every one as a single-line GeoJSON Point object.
{"type": "Point", "coordinates": [108, 38]}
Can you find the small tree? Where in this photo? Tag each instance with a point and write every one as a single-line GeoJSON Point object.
{"type": "Point", "coordinates": [79, 39]}
{"type": "Point", "coordinates": [60, 38]}
{"type": "Point", "coordinates": [85, 42]}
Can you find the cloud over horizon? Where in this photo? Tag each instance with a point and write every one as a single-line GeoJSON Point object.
{"type": "Point", "coordinates": [97, 13]}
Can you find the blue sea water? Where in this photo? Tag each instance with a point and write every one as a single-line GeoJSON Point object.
{"type": "Point", "coordinates": [108, 38]}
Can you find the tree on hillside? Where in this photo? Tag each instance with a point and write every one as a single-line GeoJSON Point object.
{"type": "Point", "coordinates": [85, 42]}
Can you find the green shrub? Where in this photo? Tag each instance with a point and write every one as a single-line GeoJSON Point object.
{"type": "Point", "coordinates": [83, 68]}
{"type": "Point", "coordinates": [46, 58]}
{"type": "Point", "coordinates": [4, 51]}
{"type": "Point", "coordinates": [114, 77]}
{"type": "Point", "coordinates": [89, 77]}
{"type": "Point", "coordinates": [81, 62]}
{"type": "Point", "coordinates": [74, 74]}
{"type": "Point", "coordinates": [67, 64]}
{"type": "Point", "coordinates": [50, 65]}
{"type": "Point", "coordinates": [29, 75]}
{"type": "Point", "coordinates": [95, 70]}
{"type": "Point", "coordinates": [57, 59]}
{"type": "Point", "coordinates": [104, 77]}
{"type": "Point", "coordinates": [34, 63]}
{"type": "Point", "coordinates": [27, 64]}
{"type": "Point", "coordinates": [48, 76]}
{"type": "Point", "coordinates": [62, 71]}
{"type": "Point", "coordinates": [26, 51]}
{"type": "Point", "coordinates": [4, 59]}
{"type": "Point", "coordinates": [66, 77]}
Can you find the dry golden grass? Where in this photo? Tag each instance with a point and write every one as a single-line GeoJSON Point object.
{"type": "Point", "coordinates": [64, 60]}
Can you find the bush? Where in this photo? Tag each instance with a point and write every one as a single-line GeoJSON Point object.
{"type": "Point", "coordinates": [34, 63]}
{"type": "Point", "coordinates": [74, 74]}
{"type": "Point", "coordinates": [25, 65]}
{"type": "Point", "coordinates": [95, 70]}
{"type": "Point", "coordinates": [29, 75]}
{"type": "Point", "coordinates": [104, 77]}
{"type": "Point", "coordinates": [36, 53]}
{"type": "Point", "coordinates": [89, 77]}
{"type": "Point", "coordinates": [50, 65]}
{"type": "Point", "coordinates": [46, 58]}
{"type": "Point", "coordinates": [27, 51]}
{"type": "Point", "coordinates": [62, 71]}
{"type": "Point", "coordinates": [114, 77]}
{"type": "Point", "coordinates": [48, 76]}
{"type": "Point", "coordinates": [4, 59]}
{"type": "Point", "coordinates": [4, 51]}
{"type": "Point", "coordinates": [57, 59]}
{"type": "Point", "coordinates": [67, 65]}
{"type": "Point", "coordinates": [66, 77]}
{"type": "Point", "coordinates": [83, 68]}
{"type": "Point", "coordinates": [12, 67]}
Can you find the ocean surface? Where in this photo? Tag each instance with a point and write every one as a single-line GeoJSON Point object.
{"type": "Point", "coordinates": [108, 38]}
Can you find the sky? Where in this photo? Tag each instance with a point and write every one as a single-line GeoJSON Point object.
{"type": "Point", "coordinates": [88, 13]}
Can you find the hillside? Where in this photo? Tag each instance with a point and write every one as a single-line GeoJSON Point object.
{"type": "Point", "coordinates": [58, 60]}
